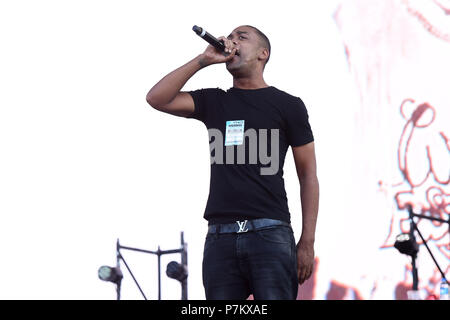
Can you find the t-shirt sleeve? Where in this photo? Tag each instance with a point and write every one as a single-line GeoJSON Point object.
{"type": "Point", "coordinates": [200, 105]}
{"type": "Point", "coordinates": [298, 128]}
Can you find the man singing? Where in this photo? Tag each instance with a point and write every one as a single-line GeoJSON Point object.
{"type": "Point", "coordinates": [250, 246]}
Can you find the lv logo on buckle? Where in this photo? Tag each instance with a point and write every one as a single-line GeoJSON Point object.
{"type": "Point", "coordinates": [242, 226]}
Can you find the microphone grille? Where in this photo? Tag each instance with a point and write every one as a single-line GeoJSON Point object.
{"type": "Point", "coordinates": [197, 29]}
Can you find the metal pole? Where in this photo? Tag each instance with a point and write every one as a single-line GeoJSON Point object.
{"type": "Point", "coordinates": [184, 263]}
{"type": "Point", "coordinates": [159, 273]}
{"type": "Point", "coordinates": [118, 286]}
{"type": "Point", "coordinates": [415, 284]}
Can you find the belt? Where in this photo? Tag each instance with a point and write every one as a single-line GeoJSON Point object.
{"type": "Point", "coordinates": [246, 225]}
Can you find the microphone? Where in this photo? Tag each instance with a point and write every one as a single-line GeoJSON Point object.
{"type": "Point", "coordinates": [218, 44]}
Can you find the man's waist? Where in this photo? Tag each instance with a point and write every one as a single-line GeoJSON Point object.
{"type": "Point", "coordinates": [243, 226]}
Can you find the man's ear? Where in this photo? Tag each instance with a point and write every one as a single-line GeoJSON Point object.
{"type": "Point", "coordinates": [263, 54]}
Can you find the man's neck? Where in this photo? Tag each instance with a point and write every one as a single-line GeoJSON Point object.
{"type": "Point", "coordinates": [247, 83]}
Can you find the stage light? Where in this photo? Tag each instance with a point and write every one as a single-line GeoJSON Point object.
{"type": "Point", "coordinates": [406, 244]}
{"type": "Point", "coordinates": [110, 274]}
{"type": "Point", "coordinates": [176, 271]}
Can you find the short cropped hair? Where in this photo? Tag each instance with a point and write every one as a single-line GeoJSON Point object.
{"type": "Point", "coordinates": [264, 41]}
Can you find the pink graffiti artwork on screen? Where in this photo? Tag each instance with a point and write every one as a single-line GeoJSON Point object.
{"type": "Point", "coordinates": [397, 52]}
{"type": "Point", "coordinates": [426, 13]}
{"type": "Point", "coordinates": [423, 187]}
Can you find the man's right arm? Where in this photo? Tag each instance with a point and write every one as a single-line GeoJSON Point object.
{"type": "Point", "coordinates": [166, 96]}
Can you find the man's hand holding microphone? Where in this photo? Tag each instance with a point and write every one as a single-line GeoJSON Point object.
{"type": "Point", "coordinates": [213, 55]}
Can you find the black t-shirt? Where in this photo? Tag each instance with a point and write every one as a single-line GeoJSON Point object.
{"type": "Point", "coordinates": [263, 123]}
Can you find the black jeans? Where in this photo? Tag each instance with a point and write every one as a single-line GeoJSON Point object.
{"type": "Point", "coordinates": [261, 262]}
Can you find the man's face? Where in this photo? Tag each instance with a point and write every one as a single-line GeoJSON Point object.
{"type": "Point", "coordinates": [248, 45]}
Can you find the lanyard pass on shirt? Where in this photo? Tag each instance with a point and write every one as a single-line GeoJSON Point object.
{"type": "Point", "coordinates": [234, 132]}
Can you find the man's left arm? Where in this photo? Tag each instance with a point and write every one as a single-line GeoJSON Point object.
{"type": "Point", "coordinates": [305, 163]}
